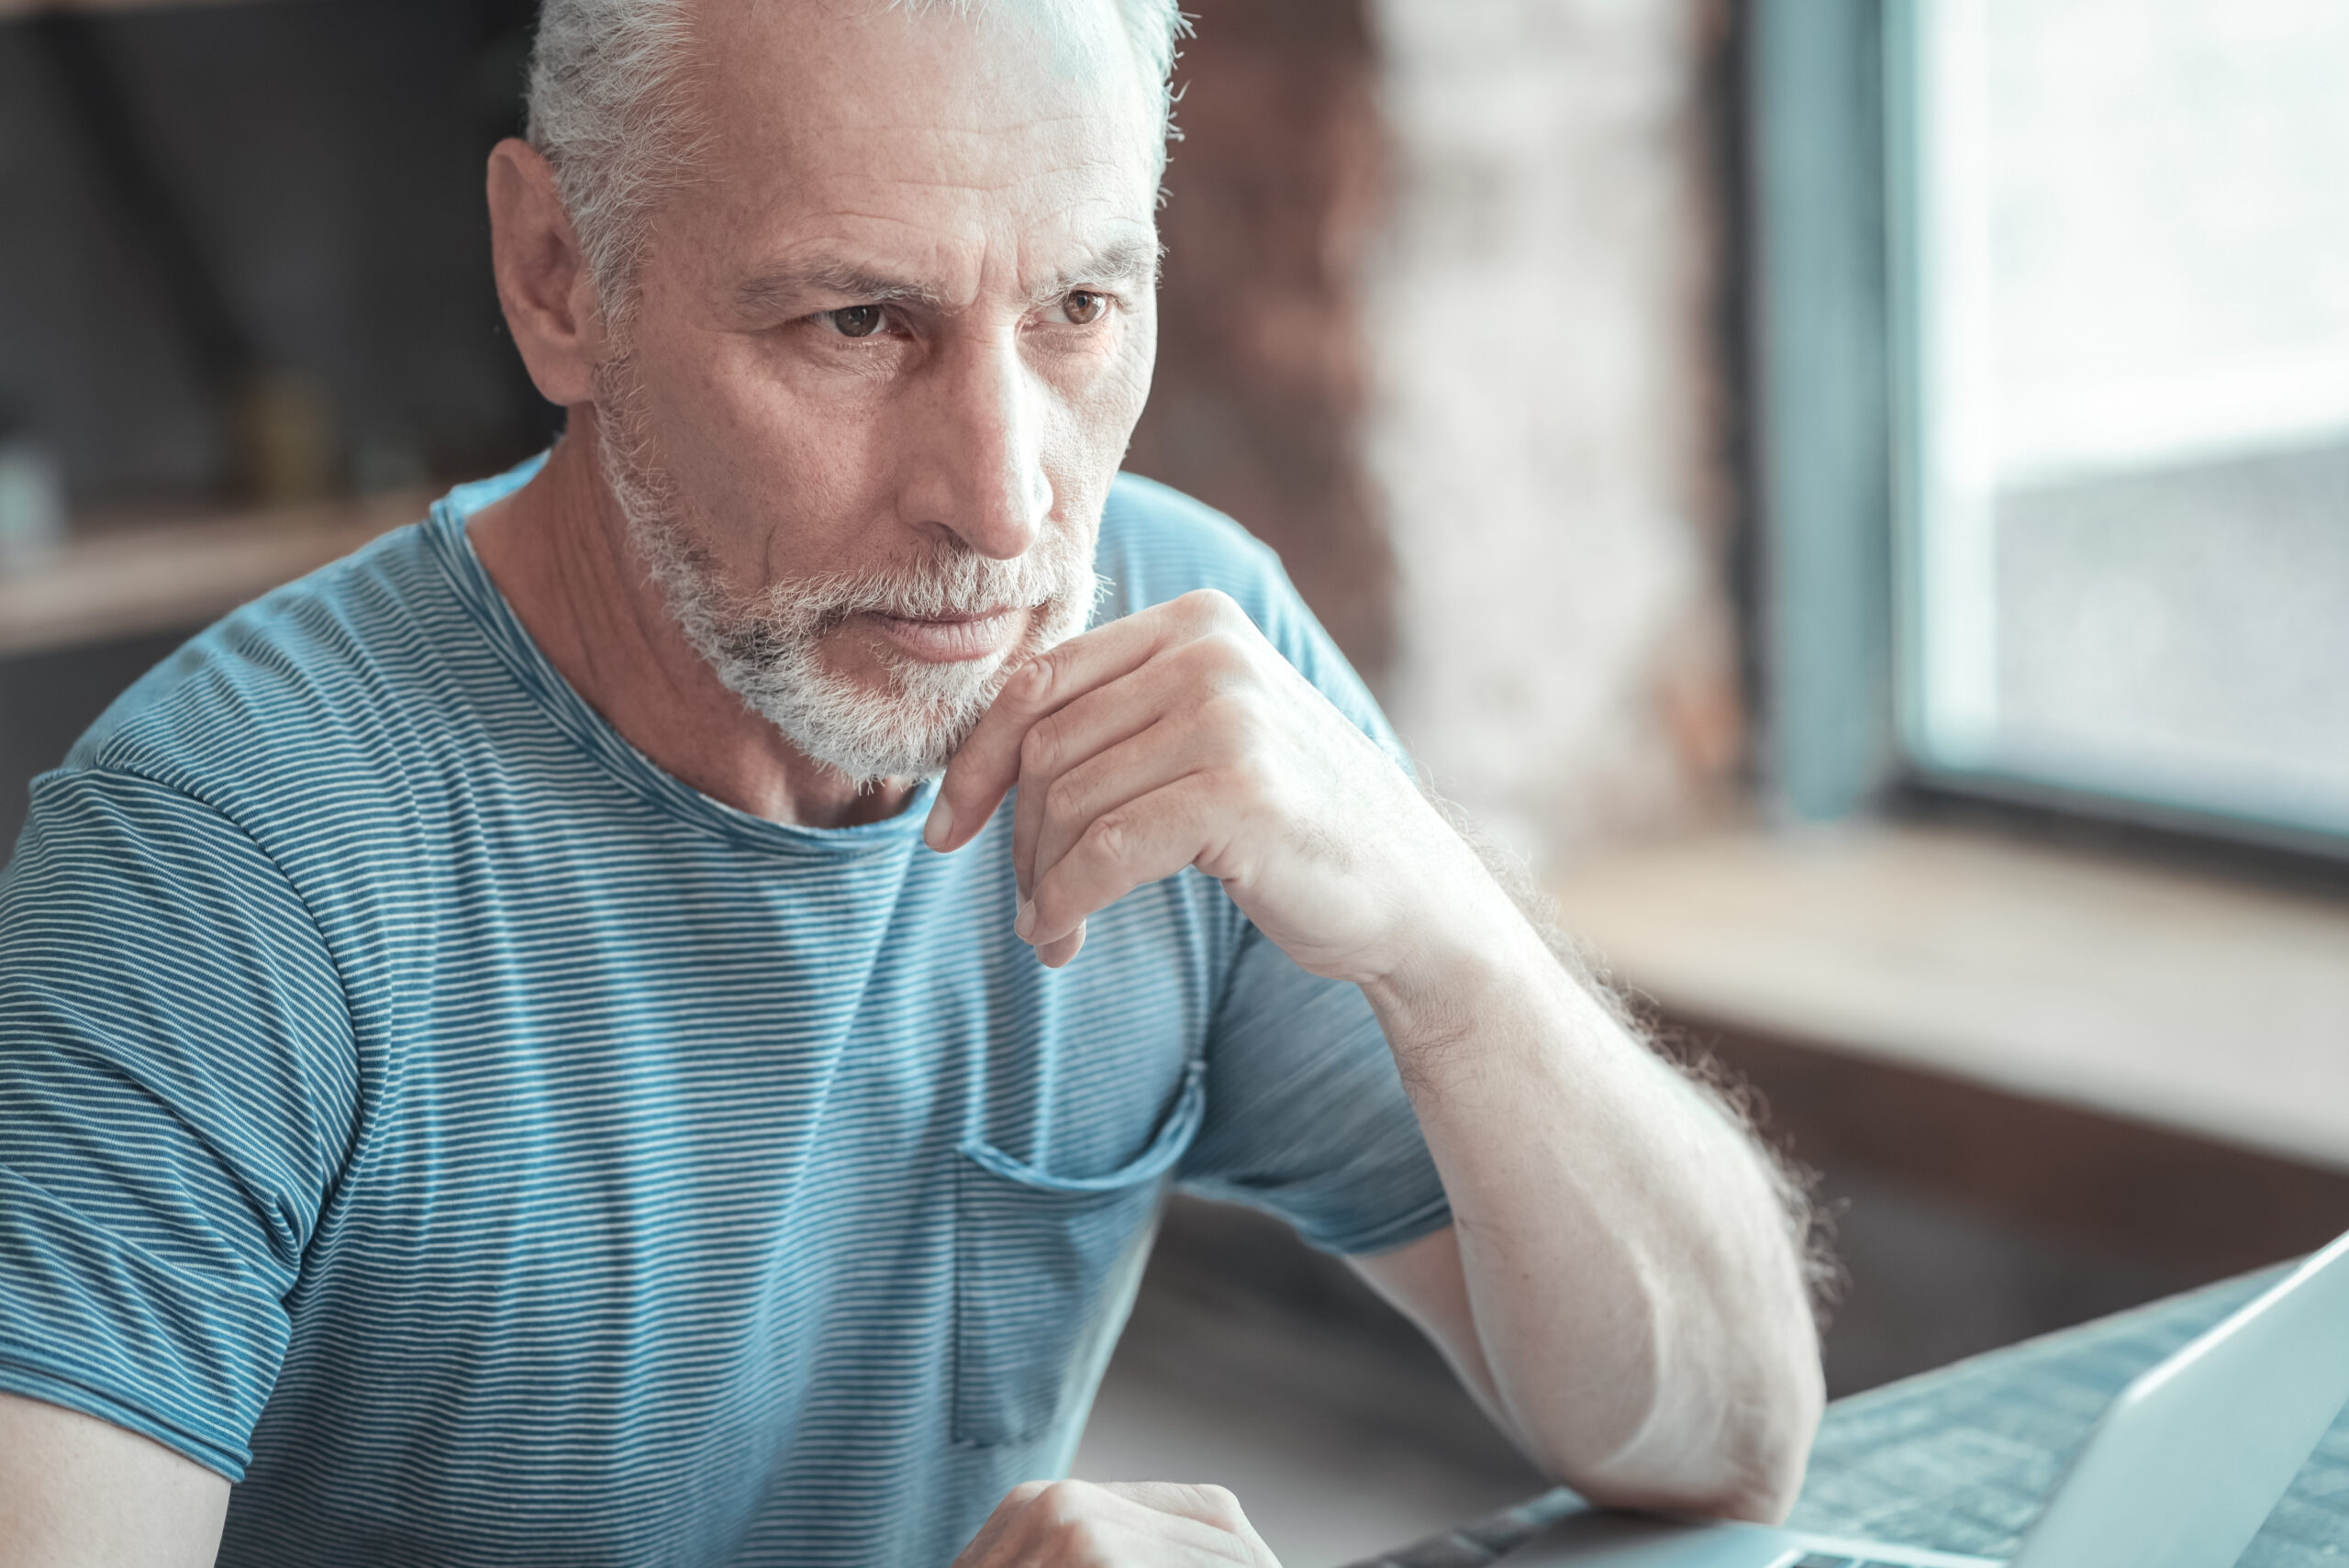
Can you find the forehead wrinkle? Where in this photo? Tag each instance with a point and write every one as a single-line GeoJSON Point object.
{"type": "Point", "coordinates": [949, 173]}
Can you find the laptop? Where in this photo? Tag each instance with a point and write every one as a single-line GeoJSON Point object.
{"type": "Point", "coordinates": [2180, 1472]}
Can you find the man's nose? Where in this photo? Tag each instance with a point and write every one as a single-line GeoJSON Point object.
{"type": "Point", "coordinates": [980, 439]}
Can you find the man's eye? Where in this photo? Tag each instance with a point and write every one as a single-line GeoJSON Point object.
{"type": "Point", "coordinates": [856, 320]}
{"type": "Point", "coordinates": [1083, 308]}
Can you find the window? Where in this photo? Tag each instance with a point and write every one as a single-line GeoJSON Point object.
{"type": "Point", "coordinates": [2129, 281]}
{"type": "Point", "coordinates": [2090, 363]}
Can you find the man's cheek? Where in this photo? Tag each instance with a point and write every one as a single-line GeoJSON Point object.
{"type": "Point", "coordinates": [800, 490]}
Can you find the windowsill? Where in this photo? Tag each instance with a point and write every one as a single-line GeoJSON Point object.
{"type": "Point", "coordinates": [2215, 1008]}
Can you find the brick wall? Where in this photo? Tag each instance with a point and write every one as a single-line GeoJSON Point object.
{"type": "Point", "coordinates": [1272, 199]}
{"type": "Point", "coordinates": [1441, 323]}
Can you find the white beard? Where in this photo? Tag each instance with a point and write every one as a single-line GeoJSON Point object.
{"type": "Point", "coordinates": [768, 650]}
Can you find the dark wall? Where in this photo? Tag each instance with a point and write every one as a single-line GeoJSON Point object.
{"type": "Point", "coordinates": [193, 200]}
{"type": "Point", "coordinates": [224, 226]}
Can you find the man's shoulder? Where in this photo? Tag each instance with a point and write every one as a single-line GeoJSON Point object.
{"type": "Point", "coordinates": [1158, 544]}
{"type": "Point", "coordinates": [327, 665]}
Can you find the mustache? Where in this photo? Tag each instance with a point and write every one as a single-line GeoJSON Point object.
{"type": "Point", "coordinates": [949, 583]}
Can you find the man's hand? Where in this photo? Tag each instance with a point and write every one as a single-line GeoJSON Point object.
{"type": "Point", "coordinates": [1622, 1282]}
{"type": "Point", "coordinates": [1137, 1524]}
{"type": "Point", "coordinates": [1179, 736]}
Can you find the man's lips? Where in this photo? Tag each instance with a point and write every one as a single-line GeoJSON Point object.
{"type": "Point", "coordinates": [948, 638]}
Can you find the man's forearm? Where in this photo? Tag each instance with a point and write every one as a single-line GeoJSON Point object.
{"type": "Point", "coordinates": [1636, 1287]}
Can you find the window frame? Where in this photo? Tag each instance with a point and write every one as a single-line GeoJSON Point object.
{"type": "Point", "coordinates": [1836, 343]}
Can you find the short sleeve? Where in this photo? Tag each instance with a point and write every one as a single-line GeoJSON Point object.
{"type": "Point", "coordinates": [1306, 1112]}
{"type": "Point", "coordinates": [177, 1091]}
{"type": "Point", "coordinates": [1157, 543]}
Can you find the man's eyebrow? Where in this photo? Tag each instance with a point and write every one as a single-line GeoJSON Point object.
{"type": "Point", "coordinates": [781, 288]}
{"type": "Point", "coordinates": [788, 286]}
{"type": "Point", "coordinates": [1132, 259]}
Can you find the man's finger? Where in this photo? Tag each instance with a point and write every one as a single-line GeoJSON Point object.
{"type": "Point", "coordinates": [1051, 818]}
{"type": "Point", "coordinates": [1056, 955]}
{"type": "Point", "coordinates": [1072, 740]}
{"type": "Point", "coordinates": [986, 764]}
{"type": "Point", "coordinates": [1152, 837]}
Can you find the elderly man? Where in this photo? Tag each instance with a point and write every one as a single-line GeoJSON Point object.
{"type": "Point", "coordinates": [514, 1053]}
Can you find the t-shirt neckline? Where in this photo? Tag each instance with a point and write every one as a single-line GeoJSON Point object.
{"type": "Point", "coordinates": [519, 651]}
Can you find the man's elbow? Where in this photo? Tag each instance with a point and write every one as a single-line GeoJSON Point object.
{"type": "Point", "coordinates": [1766, 1449]}
{"type": "Point", "coordinates": [1737, 1451]}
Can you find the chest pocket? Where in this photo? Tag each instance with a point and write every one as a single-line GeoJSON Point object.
{"type": "Point", "coordinates": [1045, 1270]}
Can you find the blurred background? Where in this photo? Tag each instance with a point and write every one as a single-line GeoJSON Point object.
{"type": "Point", "coordinates": [1856, 492]}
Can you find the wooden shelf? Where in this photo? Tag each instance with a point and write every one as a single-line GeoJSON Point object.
{"type": "Point", "coordinates": [127, 578]}
{"type": "Point", "coordinates": [2215, 1008]}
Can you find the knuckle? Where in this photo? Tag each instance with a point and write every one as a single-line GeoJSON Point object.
{"type": "Point", "coordinates": [1065, 798]}
{"type": "Point", "coordinates": [1220, 1502]}
{"type": "Point", "coordinates": [1225, 662]}
{"type": "Point", "coordinates": [1036, 681]}
{"type": "Point", "coordinates": [1111, 838]}
{"type": "Point", "coordinates": [1040, 748]}
{"type": "Point", "coordinates": [1209, 607]}
{"type": "Point", "coordinates": [1064, 1503]}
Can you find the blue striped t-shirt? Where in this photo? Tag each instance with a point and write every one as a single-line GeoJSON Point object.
{"type": "Point", "coordinates": [484, 1149]}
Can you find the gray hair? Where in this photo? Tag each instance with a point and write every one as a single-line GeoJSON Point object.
{"type": "Point", "coordinates": [607, 112]}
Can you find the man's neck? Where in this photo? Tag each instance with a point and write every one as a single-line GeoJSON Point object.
{"type": "Point", "coordinates": [557, 549]}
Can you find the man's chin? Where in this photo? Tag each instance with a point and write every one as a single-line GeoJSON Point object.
{"type": "Point", "coordinates": [909, 729]}
{"type": "Point", "coordinates": [861, 703]}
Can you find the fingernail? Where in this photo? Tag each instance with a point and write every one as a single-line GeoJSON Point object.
{"type": "Point", "coordinates": [942, 823]}
{"type": "Point", "coordinates": [1025, 921]}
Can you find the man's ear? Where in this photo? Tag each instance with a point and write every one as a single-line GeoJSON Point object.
{"type": "Point", "coordinates": [543, 277]}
